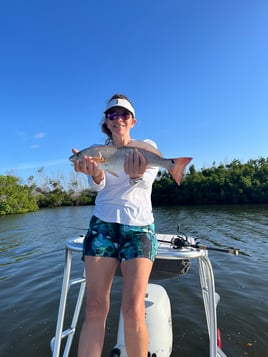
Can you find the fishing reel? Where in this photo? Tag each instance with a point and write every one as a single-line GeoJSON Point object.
{"type": "Point", "coordinates": [182, 240]}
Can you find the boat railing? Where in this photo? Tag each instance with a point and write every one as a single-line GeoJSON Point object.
{"type": "Point", "coordinates": [165, 253]}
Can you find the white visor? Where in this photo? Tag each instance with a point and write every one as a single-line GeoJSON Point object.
{"type": "Point", "coordinates": [118, 102]}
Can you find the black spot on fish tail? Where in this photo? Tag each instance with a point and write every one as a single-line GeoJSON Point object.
{"type": "Point", "coordinates": [173, 163]}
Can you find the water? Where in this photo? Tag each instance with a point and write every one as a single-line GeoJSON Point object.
{"type": "Point", "coordinates": [32, 256]}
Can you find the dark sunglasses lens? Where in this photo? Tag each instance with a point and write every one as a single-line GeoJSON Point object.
{"type": "Point", "coordinates": [114, 116]}
{"type": "Point", "coordinates": [124, 115]}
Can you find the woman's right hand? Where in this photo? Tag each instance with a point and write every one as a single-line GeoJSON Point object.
{"type": "Point", "coordinates": [88, 167]}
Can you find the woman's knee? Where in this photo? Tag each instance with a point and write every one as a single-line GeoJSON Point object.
{"type": "Point", "coordinates": [133, 311]}
{"type": "Point", "coordinates": [96, 308]}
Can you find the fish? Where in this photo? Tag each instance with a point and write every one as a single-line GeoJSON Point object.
{"type": "Point", "coordinates": [111, 158]}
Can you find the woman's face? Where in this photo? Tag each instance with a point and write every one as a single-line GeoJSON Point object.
{"type": "Point", "coordinates": [119, 120]}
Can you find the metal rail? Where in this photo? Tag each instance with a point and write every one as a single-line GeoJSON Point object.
{"type": "Point", "coordinates": [165, 252]}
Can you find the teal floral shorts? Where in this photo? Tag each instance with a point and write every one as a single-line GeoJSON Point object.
{"type": "Point", "coordinates": [120, 241]}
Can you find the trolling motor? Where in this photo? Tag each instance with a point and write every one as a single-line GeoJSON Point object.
{"type": "Point", "coordinates": [182, 240]}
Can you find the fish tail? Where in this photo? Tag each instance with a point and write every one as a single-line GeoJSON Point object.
{"type": "Point", "coordinates": [178, 166]}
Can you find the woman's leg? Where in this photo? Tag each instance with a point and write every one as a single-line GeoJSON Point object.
{"type": "Point", "coordinates": [99, 276]}
{"type": "Point", "coordinates": [136, 274]}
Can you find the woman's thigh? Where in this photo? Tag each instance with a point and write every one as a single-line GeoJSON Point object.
{"type": "Point", "coordinates": [136, 273]}
{"type": "Point", "coordinates": [99, 276]}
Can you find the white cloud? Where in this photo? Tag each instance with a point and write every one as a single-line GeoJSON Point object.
{"type": "Point", "coordinates": [39, 135]}
{"type": "Point", "coordinates": [30, 165]}
{"type": "Point", "coordinates": [34, 146]}
{"type": "Point", "coordinates": [21, 134]}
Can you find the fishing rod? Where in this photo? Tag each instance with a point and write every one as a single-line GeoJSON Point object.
{"type": "Point", "coordinates": [75, 228]}
{"type": "Point", "coordinates": [182, 240]}
{"type": "Point", "coordinates": [67, 227]}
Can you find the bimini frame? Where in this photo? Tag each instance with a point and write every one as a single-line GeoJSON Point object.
{"type": "Point", "coordinates": [166, 254]}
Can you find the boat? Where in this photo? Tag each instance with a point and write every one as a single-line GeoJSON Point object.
{"type": "Point", "coordinates": [174, 257]}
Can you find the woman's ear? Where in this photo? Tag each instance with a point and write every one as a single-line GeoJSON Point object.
{"type": "Point", "coordinates": [134, 121]}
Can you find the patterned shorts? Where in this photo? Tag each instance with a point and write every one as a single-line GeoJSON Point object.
{"type": "Point", "coordinates": [120, 241]}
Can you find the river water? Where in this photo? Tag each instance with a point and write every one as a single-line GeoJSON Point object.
{"type": "Point", "coordinates": [32, 257]}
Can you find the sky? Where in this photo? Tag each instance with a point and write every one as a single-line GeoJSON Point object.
{"type": "Point", "coordinates": [195, 70]}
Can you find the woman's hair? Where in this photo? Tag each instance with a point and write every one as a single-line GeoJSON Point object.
{"type": "Point", "coordinates": [104, 127]}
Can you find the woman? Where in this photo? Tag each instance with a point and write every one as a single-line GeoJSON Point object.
{"type": "Point", "coordinates": [121, 231]}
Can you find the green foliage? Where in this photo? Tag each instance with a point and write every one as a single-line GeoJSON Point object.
{"type": "Point", "coordinates": [56, 196]}
{"type": "Point", "coordinates": [15, 198]}
{"type": "Point", "coordinates": [224, 184]}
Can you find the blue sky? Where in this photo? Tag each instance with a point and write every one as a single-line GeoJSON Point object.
{"type": "Point", "coordinates": [195, 70]}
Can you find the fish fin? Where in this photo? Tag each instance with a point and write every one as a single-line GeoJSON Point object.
{"type": "Point", "coordinates": [179, 165]}
{"type": "Point", "coordinates": [137, 144]}
{"type": "Point", "coordinates": [112, 173]}
{"type": "Point", "coordinates": [98, 159]}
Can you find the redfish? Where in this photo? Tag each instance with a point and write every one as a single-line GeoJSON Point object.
{"type": "Point", "coordinates": [111, 158]}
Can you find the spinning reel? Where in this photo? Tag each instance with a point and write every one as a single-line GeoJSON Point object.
{"type": "Point", "coordinates": [182, 240]}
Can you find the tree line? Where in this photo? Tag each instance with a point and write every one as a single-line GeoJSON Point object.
{"type": "Point", "coordinates": [233, 183]}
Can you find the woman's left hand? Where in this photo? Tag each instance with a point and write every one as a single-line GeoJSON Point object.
{"type": "Point", "coordinates": [135, 164]}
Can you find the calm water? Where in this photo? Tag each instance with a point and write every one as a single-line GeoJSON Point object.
{"type": "Point", "coordinates": [32, 258]}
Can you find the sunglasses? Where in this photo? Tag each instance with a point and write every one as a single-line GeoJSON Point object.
{"type": "Point", "coordinates": [113, 115]}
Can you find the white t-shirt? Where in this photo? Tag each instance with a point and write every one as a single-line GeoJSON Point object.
{"type": "Point", "coordinates": [120, 202]}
